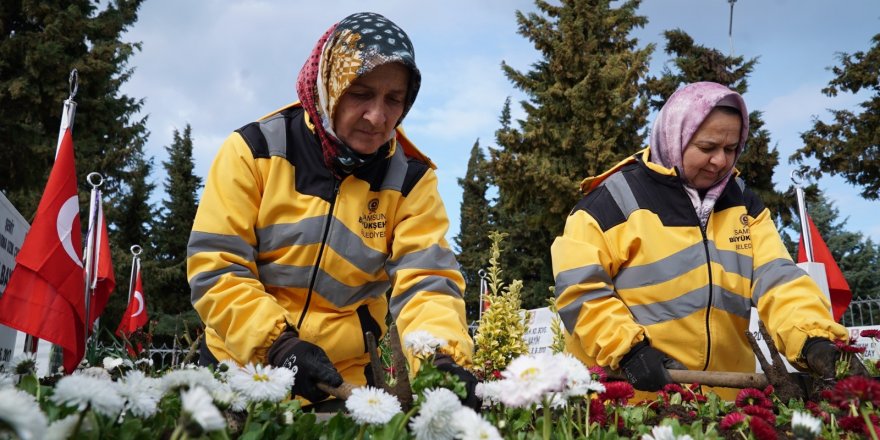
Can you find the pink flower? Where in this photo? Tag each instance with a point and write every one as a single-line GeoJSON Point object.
{"type": "Point", "coordinates": [759, 411]}
{"type": "Point", "coordinates": [618, 392]}
{"type": "Point", "coordinates": [870, 333]}
{"type": "Point", "coordinates": [752, 396]}
{"type": "Point", "coordinates": [734, 420]}
{"type": "Point", "coordinates": [761, 429]}
{"type": "Point", "coordinates": [597, 412]}
{"type": "Point", "coordinates": [849, 346]}
{"type": "Point", "coordinates": [598, 373]}
{"type": "Point", "coordinates": [854, 391]}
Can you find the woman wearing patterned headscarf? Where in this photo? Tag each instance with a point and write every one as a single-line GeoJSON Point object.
{"type": "Point", "coordinates": [664, 257]}
{"type": "Point", "coordinates": [313, 214]}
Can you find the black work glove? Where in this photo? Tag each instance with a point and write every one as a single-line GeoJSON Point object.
{"type": "Point", "coordinates": [646, 368]}
{"type": "Point", "coordinates": [445, 363]}
{"type": "Point", "coordinates": [308, 362]}
{"type": "Point", "coordinates": [821, 356]}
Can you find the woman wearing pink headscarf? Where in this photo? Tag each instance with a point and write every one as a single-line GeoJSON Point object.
{"type": "Point", "coordinates": [664, 257]}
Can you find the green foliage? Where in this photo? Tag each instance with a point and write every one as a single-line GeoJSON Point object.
{"type": "Point", "coordinates": [558, 345]}
{"type": "Point", "coordinates": [850, 145]}
{"type": "Point", "coordinates": [693, 63]}
{"type": "Point", "coordinates": [583, 114]}
{"type": "Point", "coordinates": [499, 337]}
{"type": "Point", "coordinates": [472, 240]}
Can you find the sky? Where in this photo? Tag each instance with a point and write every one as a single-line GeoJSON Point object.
{"type": "Point", "coordinates": [218, 65]}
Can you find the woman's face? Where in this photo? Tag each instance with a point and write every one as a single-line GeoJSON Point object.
{"type": "Point", "coordinates": [711, 152]}
{"type": "Point", "coordinates": [369, 109]}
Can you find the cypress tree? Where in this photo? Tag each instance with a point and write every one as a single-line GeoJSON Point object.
{"type": "Point", "coordinates": [473, 237]}
{"type": "Point", "coordinates": [583, 114]}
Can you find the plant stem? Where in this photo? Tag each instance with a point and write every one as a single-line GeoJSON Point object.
{"type": "Point", "coordinates": [546, 427]}
{"type": "Point", "coordinates": [868, 424]}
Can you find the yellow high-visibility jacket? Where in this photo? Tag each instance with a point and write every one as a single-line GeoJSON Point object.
{"type": "Point", "coordinates": [634, 262]}
{"type": "Point", "coordinates": [278, 241]}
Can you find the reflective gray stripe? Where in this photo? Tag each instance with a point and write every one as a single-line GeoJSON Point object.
{"type": "Point", "coordinates": [274, 129]}
{"type": "Point", "coordinates": [208, 242]}
{"type": "Point", "coordinates": [593, 273]}
{"type": "Point", "coordinates": [723, 299]}
{"type": "Point", "coordinates": [433, 258]}
{"type": "Point", "coordinates": [662, 270]}
{"type": "Point", "coordinates": [732, 262]}
{"type": "Point", "coordinates": [202, 282]}
{"type": "Point", "coordinates": [304, 232]}
{"type": "Point", "coordinates": [339, 294]}
{"type": "Point", "coordinates": [621, 193]}
{"type": "Point", "coordinates": [569, 313]}
{"type": "Point", "coordinates": [351, 246]}
{"type": "Point", "coordinates": [396, 173]}
{"type": "Point", "coordinates": [772, 274]}
{"type": "Point", "coordinates": [675, 308]}
{"type": "Point", "coordinates": [435, 284]}
{"type": "Point", "coordinates": [740, 183]}
{"type": "Point", "coordinates": [280, 275]}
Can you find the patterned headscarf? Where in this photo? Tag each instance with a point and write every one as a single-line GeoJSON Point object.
{"type": "Point", "coordinates": [676, 124]}
{"type": "Point", "coordinates": [348, 50]}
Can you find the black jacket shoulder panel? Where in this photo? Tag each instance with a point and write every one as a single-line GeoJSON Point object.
{"type": "Point", "coordinates": [414, 172]}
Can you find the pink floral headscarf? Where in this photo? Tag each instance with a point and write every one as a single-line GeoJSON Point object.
{"type": "Point", "coordinates": [676, 124]}
{"type": "Point", "coordinates": [348, 50]}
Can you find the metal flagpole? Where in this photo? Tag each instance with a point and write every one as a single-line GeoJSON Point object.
{"type": "Point", "coordinates": [92, 239]}
{"type": "Point", "coordinates": [68, 111]}
{"type": "Point", "coordinates": [135, 265]}
{"type": "Point", "coordinates": [730, 26]}
{"type": "Point", "coordinates": [802, 213]}
{"type": "Point", "coordinates": [483, 285]}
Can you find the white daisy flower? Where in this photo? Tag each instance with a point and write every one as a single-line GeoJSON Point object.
{"type": "Point", "coordinates": [115, 362]}
{"type": "Point", "coordinates": [198, 404]}
{"type": "Point", "coordinates": [96, 372]}
{"type": "Point", "coordinates": [531, 378]}
{"type": "Point", "coordinates": [63, 429]}
{"type": "Point", "coordinates": [491, 391]}
{"type": "Point", "coordinates": [141, 393]}
{"type": "Point", "coordinates": [23, 363]}
{"type": "Point", "coordinates": [144, 361]}
{"type": "Point", "coordinates": [435, 415]}
{"type": "Point", "coordinates": [7, 380]}
{"type": "Point", "coordinates": [20, 413]}
{"type": "Point", "coordinates": [188, 378]}
{"type": "Point", "coordinates": [579, 381]}
{"type": "Point", "coordinates": [226, 368]}
{"type": "Point", "coordinates": [664, 432]}
{"type": "Point", "coordinates": [422, 344]}
{"type": "Point", "coordinates": [259, 383]}
{"type": "Point", "coordinates": [226, 398]}
{"type": "Point", "coordinates": [471, 426]}
{"type": "Point", "coordinates": [372, 405]}
{"type": "Point", "coordinates": [805, 425]}
{"type": "Point", "coordinates": [84, 392]}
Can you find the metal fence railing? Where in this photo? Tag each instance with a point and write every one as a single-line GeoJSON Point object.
{"type": "Point", "coordinates": [862, 312]}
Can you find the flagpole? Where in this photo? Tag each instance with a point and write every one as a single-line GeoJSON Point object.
{"type": "Point", "coordinates": [482, 274]}
{"type": "Point", "coordinates": [96, 180]}
{"type": "Point", "coordinates": [802, 212]}
{"type": "Point", "coordinates": [135, 265]}
{"type": "Point", "coordinates": [68, 111]}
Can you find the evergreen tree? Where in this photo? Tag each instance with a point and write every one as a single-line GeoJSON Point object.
{"type": "Point", "coordinates": [473, 237]}
{"type": "Point", "coordinates": [695, 63]}
{"type": "Point", "coordinates": [175, 223]}
{"type": "Point", "coordinates": [850, 145]}
{"type": "Point", "coordinates": [40, 42]}
{"type": "Point", "coordinates": [857, 256]}
{"type": "Point", "coordinates": [583, 115]}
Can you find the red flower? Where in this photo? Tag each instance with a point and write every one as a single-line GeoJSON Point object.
{"type": "Point", "coordinates": [768, 390]}
{"type": "Point", "coordinates": [853, 391]}
{"type": "Point", "coordinates": [598, 373]}
{"type": "Point", "coordinates": [496, 374]}
{"type": "Point", "coordinates": [817, 411]}
{"type": "Point", "coordinates": [617, 392]}
{"type": "Point", "coordinates": [597, 412]}
{"type": "Point", "coordinates": [870, 333]}
{"type": "Point", "coordinates": [752, 396]}
{"type": "Point", "coordinates": [734, 420]}
{"type": "Point", "coordinates": [759, 411]}
{"type": "Point", "coordinates": [849, 346]}
{"type": "Point", "coordinates": [857, 424]}
{"type": "Point", "coordinates": [761, 429]}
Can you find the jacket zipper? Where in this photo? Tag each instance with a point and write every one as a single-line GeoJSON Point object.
{"type": "Point", "coordinates": [314, 277]}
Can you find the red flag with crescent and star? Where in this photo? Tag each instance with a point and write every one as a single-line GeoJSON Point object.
{"type": "Point", "coordinates": [838, 288]}
{"type": "Point", "coordinates": [45, 296]}
{"type": "Point", "coordinates": [135, 315]}
{"type": "Point", "coordinates": [104, 281]}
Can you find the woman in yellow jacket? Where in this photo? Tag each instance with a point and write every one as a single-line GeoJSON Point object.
{"type": "Point", "coordinates": [663, 258]}
{"type": "Point", "coordinates": [313, 214]}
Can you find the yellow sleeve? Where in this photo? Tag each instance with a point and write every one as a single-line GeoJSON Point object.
{"type": "Point", "coordinates": [789, 302]}
{"type": "Point", "coordinates": [221, 254]}
{"type": "Point", "coordinates": [427, 284]}
{"type": "Point", "coordinates": [599, 326]}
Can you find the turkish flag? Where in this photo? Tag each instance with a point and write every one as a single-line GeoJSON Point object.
{"type": "Point", "coordinates": [104, 281]}
{"type": "Point", "coordinates": [135, 315]}
{"type": "Point", "coordinates": [45, 295]}
{"type": "Point", "coordinates": [838, 288]}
